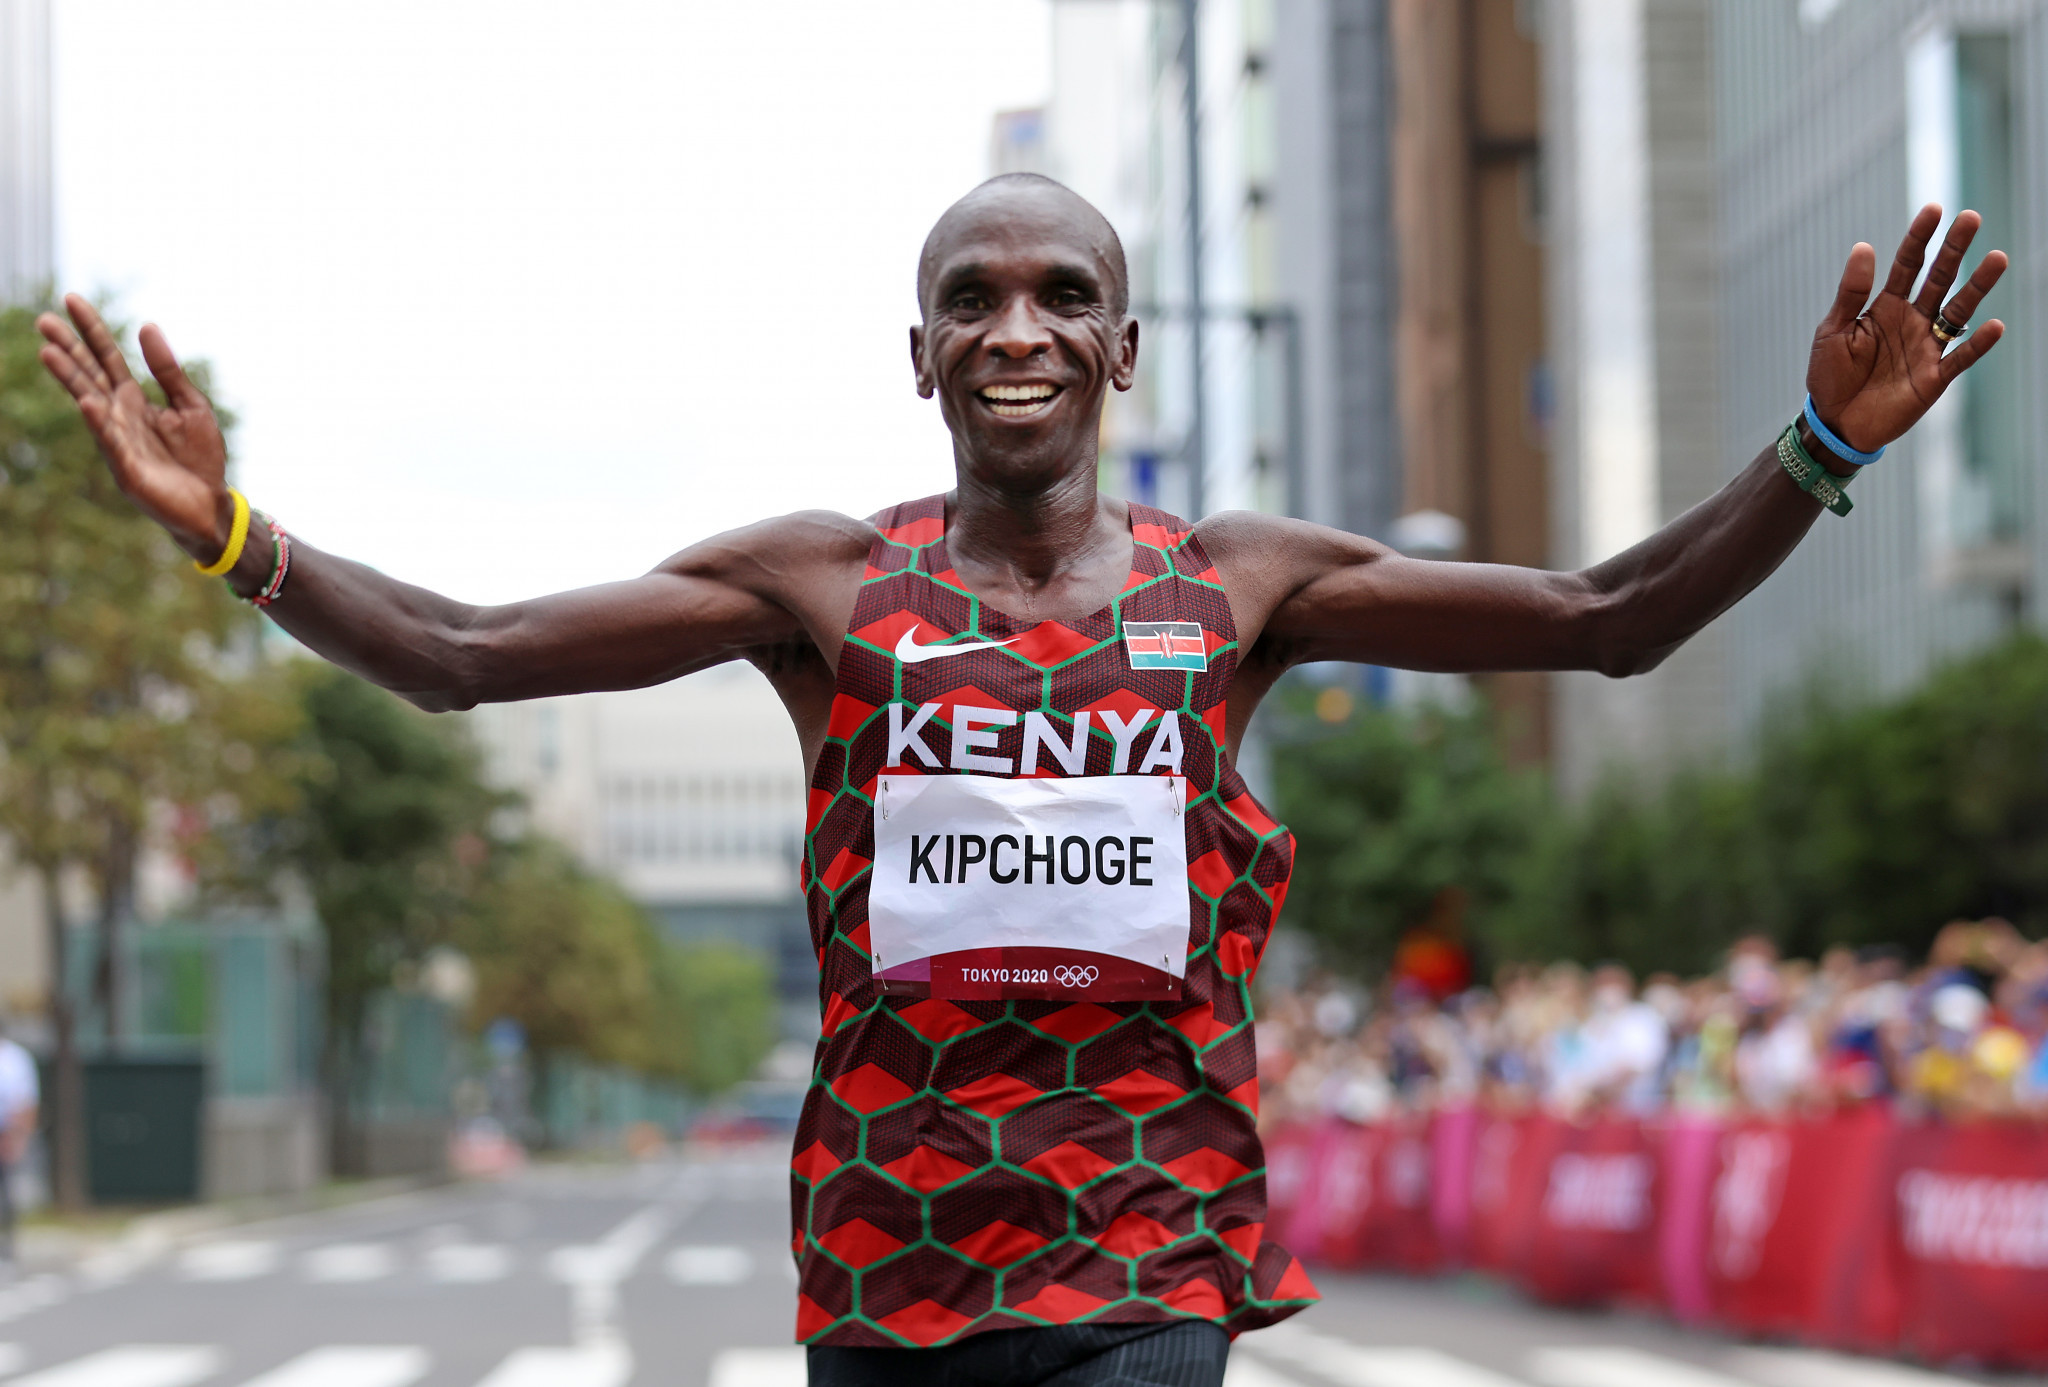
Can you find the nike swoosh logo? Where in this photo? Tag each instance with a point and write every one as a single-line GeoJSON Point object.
{"type": "Point", "coordinates": [910, 652]}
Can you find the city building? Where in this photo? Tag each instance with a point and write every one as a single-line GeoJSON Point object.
{"type": "Point", "coordinates": [1366, 210]}
{"type": "Point", "coordinates": [1835, 119]}
{"type": "Point", "coordinates": [25, 268]}
{"type": "Point", "coordinates": [1635, 319]}
{"type": "Point", "coordinates": [1710, 166]}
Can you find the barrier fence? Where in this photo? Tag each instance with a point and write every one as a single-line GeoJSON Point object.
{"type": "Point", "coordinates": [1856, 1230]}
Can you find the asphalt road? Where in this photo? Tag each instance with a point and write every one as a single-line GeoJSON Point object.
{"type": "Point", "coordinates": [677, 1274]}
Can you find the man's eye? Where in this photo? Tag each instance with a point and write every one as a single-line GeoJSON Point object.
{"type": "Point", "coordinates": [970, 303]}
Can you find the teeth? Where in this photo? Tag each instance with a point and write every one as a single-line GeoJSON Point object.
{"type": "Point", "coordinates": [1017, 392]}
{"type": "Point", "coordinates": [1017, 411]}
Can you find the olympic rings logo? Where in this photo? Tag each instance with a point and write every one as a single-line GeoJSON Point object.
{"type": "Point", "coordinates": [1066, 975]}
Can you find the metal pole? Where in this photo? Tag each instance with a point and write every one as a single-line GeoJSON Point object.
{"type": "Point", "coordinates": [1191, 118]}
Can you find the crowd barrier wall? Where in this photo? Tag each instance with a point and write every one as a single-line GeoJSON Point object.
{"type": "Point", "coordinates": [1855, 1230]}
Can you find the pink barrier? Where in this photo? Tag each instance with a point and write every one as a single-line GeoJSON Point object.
{"type": "Point", "coordinates": [1853, 1230]}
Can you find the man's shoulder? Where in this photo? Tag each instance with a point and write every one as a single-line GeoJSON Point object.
{"type": "Point", "coordinates": [800, 542]}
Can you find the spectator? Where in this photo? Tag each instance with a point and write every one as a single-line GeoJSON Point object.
{"type": "Point", "coordinates": [20, 1097]}
{"type": "Point", "coordinates": [1967, 1033]}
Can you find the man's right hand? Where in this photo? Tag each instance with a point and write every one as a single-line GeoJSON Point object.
{"type": "Point", "coordinates": [170, 459]}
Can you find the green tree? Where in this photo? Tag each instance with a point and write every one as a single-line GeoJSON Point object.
{"type": "Point", "coordinates": [1850, 824]}
{"type": "Point", "coordinates": [391, 840]}
{"type": "Point", "coordinates": [715, 1012]}
{"type": "Point", "coordinates": [585, 972]}
{"type": "Point", "coordinates": [1390, 809]}
{"type": "Point", "coordinates": [1657, 881]}
{"type": "Point", "coordinates": [127, 681]}
{"type": "Point", "coordinates": [1886, 821]}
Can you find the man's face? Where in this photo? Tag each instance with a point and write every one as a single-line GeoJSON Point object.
{"type": "Point", "coordinates": [1024, 332]}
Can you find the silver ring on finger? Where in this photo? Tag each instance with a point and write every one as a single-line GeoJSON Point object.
{"type": "Point", "coordinates": [1944, 329]}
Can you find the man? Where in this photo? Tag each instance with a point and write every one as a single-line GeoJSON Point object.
{"type": "Point", "coordinates": [20, 1101]}
{"type": "Point", "coordinates": [1029, 1151]}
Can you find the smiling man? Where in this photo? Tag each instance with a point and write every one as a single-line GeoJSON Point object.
{"type": "Point", "coordinates": [1038, 888]}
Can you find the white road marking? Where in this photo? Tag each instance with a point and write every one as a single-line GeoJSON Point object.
{"type": "Point", "coordinates": [353, 1365]}
{"type": "Point", "coordinates": [1249, 1372]}
{"type": "Point", "coordinates": [232, 1260]}
{"type": "Point", "coordinates": [469, 1263]}
{"type": "Point", "coordinates": [1352, 1365]}
{"type": "Point", "coordinates": [709, 1266]}
{"type": "Point", "coordinates": [760, 1367]}
{"type": "Point", "coordinates": [593, 1365]}
{"type": "Point", "coordinates": [593, 1272]}
{"type": "Point", "coordinates": [1779, 1367]}
{"type": "Point", "coordinates": [346, 1262]}
{"type": "Point", "coordinates": [1621, 1367]}
{"type": "Point", "coordinates": [132, 1365]}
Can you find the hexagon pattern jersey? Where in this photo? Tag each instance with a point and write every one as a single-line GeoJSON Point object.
{"type": "Point", "coordinates": [963, 1166]}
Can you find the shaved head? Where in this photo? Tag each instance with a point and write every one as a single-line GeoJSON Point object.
{"type": "Point", "coordinates": [1010, 197]}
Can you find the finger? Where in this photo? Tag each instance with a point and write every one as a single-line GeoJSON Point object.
{"type": "Point", "coordinates": [1970, 351]}
{"type": "Point", "coordinates": [93, 404]}
{"type": "Point", "coordinates": [1948, 262]}
{"type": "Point", "coordinates": [1854, 292]}
{"type": "Point", "coordinates": [97, 337]}
{"type": "Point", "coordinates": [163, 364]}
{"type": "Point", "coordinates": [59, 334]}
{"type": "Point", "coordinates": [70, 374]}
{"type": "Point", "coordinates": [1989, 270]}
{"type": "Point", "coordinates": [1913, 251]}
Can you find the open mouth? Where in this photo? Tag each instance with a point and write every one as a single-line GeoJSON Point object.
{"type": "Point", "coordinates": [1018, 401]}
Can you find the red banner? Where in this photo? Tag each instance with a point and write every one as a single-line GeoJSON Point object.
{"type": "Point", "coordinates": [1970, 1241]}
{"type": "Point", "coordinates": [1510, 1157]}
{"type": "Point", "coordinates": [1595, 1230]}
{"type": "Point", "coordinates": [1287, 1151]}
{"type": "Point", "coordinates": [1795, 1243]}
{"type": "Point", "coordinates": [1851, 1229]}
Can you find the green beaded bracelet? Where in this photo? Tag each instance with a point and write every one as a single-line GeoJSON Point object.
{"type": "Point", "coordinates": [1813, 479]}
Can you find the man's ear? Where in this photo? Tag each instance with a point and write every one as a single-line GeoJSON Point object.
{"type": "Point", "coordinates": [925, 384]}
{"type": "Point", "coordinates": [1126, 356]}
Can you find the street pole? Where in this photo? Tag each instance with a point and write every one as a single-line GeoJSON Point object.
{"type": "Point", "coordinates": [1195, 449]}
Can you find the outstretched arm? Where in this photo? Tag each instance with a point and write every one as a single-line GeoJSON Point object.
{"type": "Point", "coordinates": [717, 601]}
{"type": "Point", "coordinates": [1873, 372]}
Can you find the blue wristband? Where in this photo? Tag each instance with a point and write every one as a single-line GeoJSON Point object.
{"type": "Point", "coordinates": [1835, 445]}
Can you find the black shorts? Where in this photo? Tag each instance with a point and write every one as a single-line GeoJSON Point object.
{"type": "Point", "coordinates": [1181, 1353]}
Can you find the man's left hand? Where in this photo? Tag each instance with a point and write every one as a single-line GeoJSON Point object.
{"type": "Point", "coordinates": [1875, 370]}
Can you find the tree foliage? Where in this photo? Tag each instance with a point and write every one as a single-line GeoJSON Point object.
{"type": "Point", "coordinates": [127, 681]}
{"type": "Point", "coordinates": [583, 970]}
{"type": "Point", "coordinates": [392, 833]}
{"type": "Point", "coordinates": [1389, 810]}
{"type": "Point", "coordinates": [1851, 824]}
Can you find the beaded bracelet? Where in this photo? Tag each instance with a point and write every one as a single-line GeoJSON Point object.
{"type": "Point", "coordinates": [1813, 479]}
{"type": "Point", "coordinates": [282, 547]}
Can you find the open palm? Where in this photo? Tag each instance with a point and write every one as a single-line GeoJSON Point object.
{"type": "Point", "coordinates": [1875, 370]}
{"type": "Point", "coordinates": [170, 459]}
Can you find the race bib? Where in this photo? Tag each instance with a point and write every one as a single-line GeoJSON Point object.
{"type": "Point", "coordinates": [1061, 887]}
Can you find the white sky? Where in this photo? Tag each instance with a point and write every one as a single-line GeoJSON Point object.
{"type": "Point", "coordinates": [513, 297]}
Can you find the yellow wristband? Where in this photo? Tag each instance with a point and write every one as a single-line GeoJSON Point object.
{"type": "Point", "coordinates": [238, 536]}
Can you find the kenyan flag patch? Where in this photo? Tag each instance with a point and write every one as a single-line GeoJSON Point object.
{"type": "Point", "coordinates": [1166, 645]}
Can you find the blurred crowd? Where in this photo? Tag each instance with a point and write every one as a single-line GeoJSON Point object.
{"type": "Point", "coordinates": [1963, 1031]}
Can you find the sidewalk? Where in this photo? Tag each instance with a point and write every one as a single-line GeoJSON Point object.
{"type": "Point", "coordinates": [110, 1244]}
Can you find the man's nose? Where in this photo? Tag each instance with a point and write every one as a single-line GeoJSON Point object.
{"type": "Point", "coordinates": [1018, 332]}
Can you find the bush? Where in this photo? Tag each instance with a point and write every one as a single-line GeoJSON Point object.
{"type": "Point", "coordinates": [1853, 825]}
